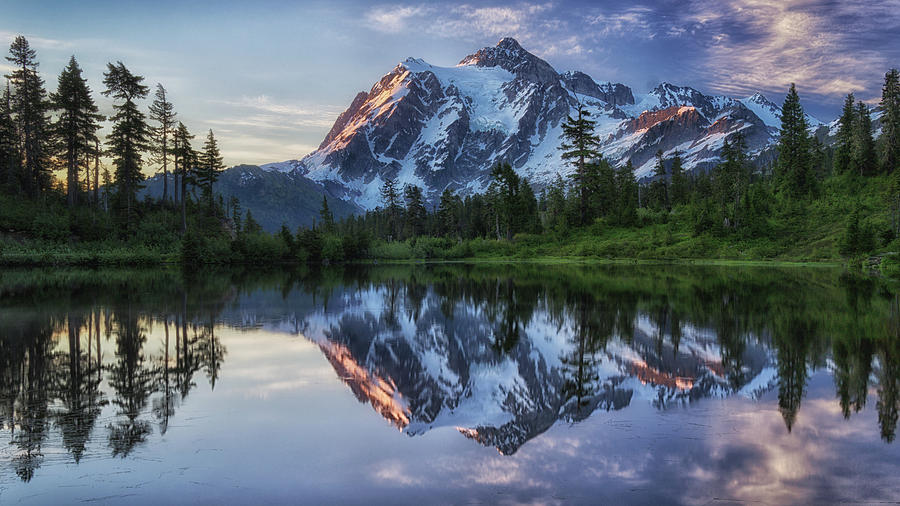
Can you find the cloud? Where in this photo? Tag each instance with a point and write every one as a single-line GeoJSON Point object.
{"type": "Point", "coordinates": [392, 19]}
{"type": "Point", "coordinates": [536, 25]}
{"type": "Point", "coordinates": [37, 42]}
{"type": "Point", "coordinates": [262, 111]}
{"type": "Point", "coordinates": [634, 21]}
{"type": "Point", "coordinates": [827, 48]}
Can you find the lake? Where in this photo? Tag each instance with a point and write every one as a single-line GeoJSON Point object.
{"type": "Point", "coordinates": [437, 384]}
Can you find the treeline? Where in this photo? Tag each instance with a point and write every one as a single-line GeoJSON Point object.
{"type": "Point", "coordinates": [733, 201]}
{"type": "Point", "coordinates": [42, 132]}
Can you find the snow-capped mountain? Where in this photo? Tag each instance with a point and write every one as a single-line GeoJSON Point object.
{"type": "Point", "coordinates": [444, 127]}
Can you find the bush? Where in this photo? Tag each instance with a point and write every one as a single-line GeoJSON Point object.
{"type": "Point", "coordinates": [51, 226]}
{"type": "Point", "coordinates": [332, 249]}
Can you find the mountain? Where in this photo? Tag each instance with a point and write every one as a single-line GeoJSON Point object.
{"type": "Point", "coordinates": [444, 127]}
{"type": "Point", "coordinates": [275, 197]}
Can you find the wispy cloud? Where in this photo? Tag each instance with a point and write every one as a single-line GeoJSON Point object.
{"type": "Point", "coordinates": [827, 48]}
{"type": "Point", "coordinates": [632, 21]}
{"type": "Point", "coordinates": [259, 129]}
{"type": "Point", "coordinates": [36, 42]}
{"type": "Point", "coordinates": [536, 25]}
{"type": "Point", "coordinates": [262, 111]}
{"type": "Point", "coordinates": [393, 18]}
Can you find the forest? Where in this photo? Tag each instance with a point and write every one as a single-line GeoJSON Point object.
{"type": "Point", "coordinates": [817, 202]}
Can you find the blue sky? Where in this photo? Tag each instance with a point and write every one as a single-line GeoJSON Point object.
{"type": "Point", "coordinates": [269, 77]}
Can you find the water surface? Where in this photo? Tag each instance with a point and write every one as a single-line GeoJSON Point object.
{"type": "Point", "coordinates": [449, 384]}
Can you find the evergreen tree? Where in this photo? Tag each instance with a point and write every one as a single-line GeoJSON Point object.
{"type": "Point", "coordinates": [581, 147]}
{"type": "Point", "coordinates": [844, 139]}
{"type": "Point", "coordinates": [185, 159]}
{"type": "Point", "coordinates": [75, 128]}
{"type": "Point", "coordinates": [9, 150]}
{"type": "Point", "coordinates": [793, 170]}
{"type": "Point", "coordinates": [527, 209]}
{"type": "Point", "coordinates": [209, 165]}
{"type": "Point", "coordinates": [448, 214]}
{"type": "Point", "coordinates": [235, 214]}
{"type": "Point", "coordinates": [679, 181]}
{"type": "Point", "coordinates": [659, 188]}
{"type": "Point", "coordinates": [863, 154]}
{"type": "Point", "coordinates": [890, 121]}
{"type": "Point", "coordinates": [627, 193]}
{"type": "Point", "coordinates": [325, 216]}
{"type": "Point", "coordinates": [505, 190]}
{"type": "Point", "coordinates": [163, 113]}
{"type": "Point", "coordinates": [129, 136]}
{"type": "Point", "coordinates": [29, 109]}
{"type": "Point", "coordinates": [416, 214]}
{"type": "Point", "coordinates": [731, 180]}
{"type": "Point", "coordinates": [391, 199]}
{"type": "Point", "coordinates": [601, 188]}
{"type": "Point", "coordinates": [556, 204]}
{"type": "Point", "coordinates": [250, 225]}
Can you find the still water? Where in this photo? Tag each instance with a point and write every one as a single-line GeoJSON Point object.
{"type": "Point", "coordinates": [449, 384]}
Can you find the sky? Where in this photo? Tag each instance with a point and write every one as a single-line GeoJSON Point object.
{"type": "Point", "coordinates": [270, 77]}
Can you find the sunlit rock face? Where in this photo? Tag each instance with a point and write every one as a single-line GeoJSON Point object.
{"type": "Point", "coordinates": [444, 127]}
{"type": "Point", "coordinates": [502, 365]}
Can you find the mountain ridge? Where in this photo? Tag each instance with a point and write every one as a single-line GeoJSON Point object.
{"type": "Point", "coordinates": [444, 127]}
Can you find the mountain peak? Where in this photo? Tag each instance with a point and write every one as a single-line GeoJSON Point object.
{"type": "Point", "coordinates": [510, 43]}
{"type": "Point", "coordinates": [512, 57]}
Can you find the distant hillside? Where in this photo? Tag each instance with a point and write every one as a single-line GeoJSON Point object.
{"type": "Point", "coordinates": [273, 197]}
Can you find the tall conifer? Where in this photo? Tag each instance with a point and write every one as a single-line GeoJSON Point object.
{"type": "Point", "coordinates": [581, 146]}
{"type": "Point", "coordinates": [75, 128]}
{"type": "Point", "coordinates": [793, 170]}
{"type": "Point", "coordinates": [29, 109]}
{"type": "Point", "coordinates": [129, 137]}
{"type": "Point", "coordinates": [890, 121]}
{"type": "Point", "coordinates": [162, 112]}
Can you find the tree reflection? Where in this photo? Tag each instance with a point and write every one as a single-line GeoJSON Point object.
{"type": "Point", "coordinates": [429, 334]}
{"type": "Point", "coordinates": [132, 380]}
{"type": "Point", "coordinates": [78, 377]}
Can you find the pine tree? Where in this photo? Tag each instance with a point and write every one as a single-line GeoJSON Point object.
{"type": "Point", "coordinates": [659, 188]}
{"type": "Point", "coordinates": [505, 190]}
{"type": "Point", "coordinates": [185, 159]}
{"type": "Point", "coordinates": [863, 154]}
{"type": "Point", "coordinates": [209, 165]}
{"type": "Point", "coordinates": [163, 113]}
{"type": "Point", "coordinates": [627, 192]}
{"type": "Point", "coordinates": [325, 216]}
{"type": "Point", "coordinates": [731, 180]}
{"type": "Point", "coordinates": [129, 136]}
{"type": "Point", "coordinates": [556, 204]}
{"type": "Point", "coordinates": [448, 214]}
{"type": "Point", "coordinates": [529, 220]}
{"type": "Point", "coordinates": [793, 170]}
{"type": "Point", "coordinates": [29, 109]}
{"type": "Point", "coordinates": [581, 147]}
{"type": "Point", "coordinates": [235, 214]}
{"type": "Point", "coordinates": [416, 214]}
{"type": "Point", "coordinates": [844, 139]}
{"type": "Point", "coordinates": [391, 199]}
{"type": "Point", "coordinates": [890, 121]}
{"type": "Point", "coordinates": [601, 179]}
{"type": "Point", "coordinates": [75, 128]}
{"type": "Point", "coordinates": [10, 163]}
{"type": "Point", "coordinates": [679, 181]}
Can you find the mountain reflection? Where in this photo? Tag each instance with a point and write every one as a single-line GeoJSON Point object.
{"type": "Point", "coordinates": [500, 353]}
